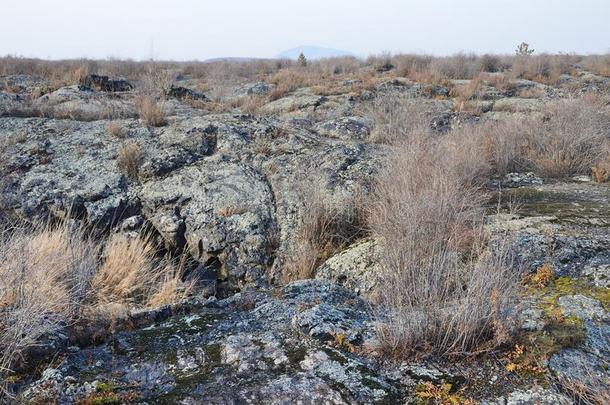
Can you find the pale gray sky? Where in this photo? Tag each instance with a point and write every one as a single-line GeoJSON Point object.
{"type": "Point", "coordinates": [201, 29]}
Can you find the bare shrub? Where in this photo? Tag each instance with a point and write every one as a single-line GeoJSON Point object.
{"type": "Point", "coordinates": [442, 289]}
{"type": "Point", "coordinates": [129, 159]}
{"type": "Point", "coordinates": [458, 66]}
{"type": "Point", "coordinates": [501, 143]}
{"type": "Point", "coordinates": [570, 141]}
{"type": "Point", "coordinates": [543, 68]}
{"type": "Point", "coordinates": [394, 116]}
{"type": "Point", "coordinates": [325, 226]}
{"type": "Point", "coordinates": [151, 110]}
{"type": "Point", "coordinates": [598, 64]}
{"type": "Point", "coordinates": [464, 147]}
{"type": "Point", "coordinates": [116, 129]}
{"type": "Point", "coordinates": [491, 63]}
{"type": "Point", "coordinates": [158, 79]}
{"type": "Point", "coordinates": [406, 65]}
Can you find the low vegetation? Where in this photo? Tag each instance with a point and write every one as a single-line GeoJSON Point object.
{"type": "Point", "coordinates": [129, 159]}
{"type": "Point", "coordinates": [53, 275]}
{"type": "Point", "coordinates": [444, 289]}
{"type": "Point", "coordinates": [151, 110]}
{"type": "Point", "coordinates": [325, 227]}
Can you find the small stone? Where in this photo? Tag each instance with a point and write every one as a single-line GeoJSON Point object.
{"type": "Point", "coordinates": [582, 307]}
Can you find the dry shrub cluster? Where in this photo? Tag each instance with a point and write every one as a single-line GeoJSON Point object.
{"type": "Point", "coordinates": [598, 64]}
{"type": "Point", "coordinates": [326, 226]}
{"type": "Point", "coordinates": [444, 288]}
{"type": "Point", "coordinates": [44, 276]}
{"type": "Point", "coordinates": [116, 129]}
{"type": "Point", "coordinates": [572, 138]}
{"type": "Point", "coordinates": [52, 275]}
{"type": "Point", "coordinates": [394, 114]}
{"type": "Point", "coordinates": [288, 80]}
{"type": "Point", "coordinates": [543, 68]}
{"type": "Point", "coordinates": [129, 159]}
{"type": "Point", "coordinates": [151, 110]}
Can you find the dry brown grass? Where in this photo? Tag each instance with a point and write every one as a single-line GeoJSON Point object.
{"type": "Point", "coordinates": [127, 271]}
{"type": "Point", "coordinates": [250, 104]}
{"type": "Point", "coordinates": [600, 173]}
{"type": "Point", "coordinates": [594, 389]}
{"type": "Point", "coordinates": [129, 159]}
{"type": "Point", "coordinates": [116, 129]}
{"type": "Point", "coordinates": [151, 110]}
{"type": "Point", "coordinates": [44, 276]}
{"type": "Point", "coordinates": [289, 80]}
{"type": "Point", "coordinates": [170, 286]}
{"type": "Point", "coordinates": [443, 289]}
{"type": "Point", "coordinates": [51, 275]}
{"type": "Point", "coordinates": [131, 273]}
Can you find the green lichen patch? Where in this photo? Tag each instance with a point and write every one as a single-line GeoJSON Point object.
{"type": "Point", "coordinates": [107, 393]}
{"type": "Point", "coordinates": [534, 348]}
{"type": "Point", "coordinates": [569, 208]}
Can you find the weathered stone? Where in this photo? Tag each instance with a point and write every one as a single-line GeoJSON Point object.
{"type": "Point", "coordinates": [183, 93]}
{"type": "Point", "coordinates": [582, 307]}
{"type": "Point", "coordinates": [105, 83]}
{"type": "Point", "coordinates": [536, 395]}
{"type": "Point", "coordinates": [357, 267]}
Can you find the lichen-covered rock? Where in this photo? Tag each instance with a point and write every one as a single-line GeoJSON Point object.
{"type": "Point", "coordinates": [256, 89]}
{"type": "Point", "coordinates": [348, 128]}
{"type": "Point", "coordinates": [598, 275]}
{"type": "Point", "coordinates": [582, 307]}
{"type": "Point", "coordinates": [536, 395]}
{"type": "Point", "coordinates": [520, 180]}
{"type": "Point", "coordinates": [224, 211]}
{"type": "Point", "coordinates": [298, 102]}
{"type": "Point", "coordinates": [83, 104]}
{"type": "Point", "coordinates": [184, 93]}
{"type": "Point", "coordinates": [357, 267]}
{"type": "Point", "coordinates": [227, 352]}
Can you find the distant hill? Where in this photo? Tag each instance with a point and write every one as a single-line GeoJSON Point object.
{"type": "Point", "coordinates": [313, 52]}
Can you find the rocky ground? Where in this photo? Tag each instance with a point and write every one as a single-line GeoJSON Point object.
{"type": "Point", "coordinates": [225, 187]}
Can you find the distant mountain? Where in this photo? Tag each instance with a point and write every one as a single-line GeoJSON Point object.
{"type": "Point", "coordinates": [313, 52]}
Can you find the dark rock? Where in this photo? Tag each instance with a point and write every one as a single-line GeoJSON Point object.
{"type": "Point", "coordinates": [182, 93]}
{"type": "Point", "coordinates": [105, 83]}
